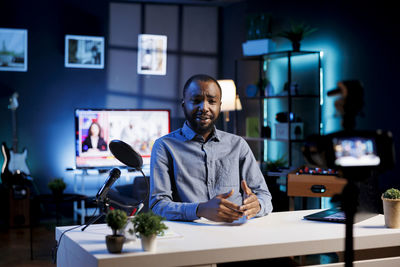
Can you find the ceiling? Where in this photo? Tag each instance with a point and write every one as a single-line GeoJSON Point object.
{"type": "Point", "coordinates": [193, 2]}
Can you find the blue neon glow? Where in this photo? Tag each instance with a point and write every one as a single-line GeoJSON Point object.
{"type": "Point", "coordinates": [331, 62]}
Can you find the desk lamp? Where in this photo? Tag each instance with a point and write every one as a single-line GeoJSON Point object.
{"type": "Point", "coordinates": [230, 101]}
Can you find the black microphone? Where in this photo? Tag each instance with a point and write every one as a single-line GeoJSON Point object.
{"type": "Point", "coordinates": [112, 177]}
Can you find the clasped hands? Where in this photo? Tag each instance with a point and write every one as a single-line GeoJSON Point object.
{"type": "Point", "coordinates": [220, 209]}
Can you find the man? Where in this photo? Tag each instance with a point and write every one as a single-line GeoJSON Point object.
{"type": "Point", "coordinates": [199, 171]}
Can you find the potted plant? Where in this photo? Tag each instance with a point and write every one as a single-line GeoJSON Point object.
{"type": "Point", "coordinates": [296, 33]}
{"type": "Point", "coordinates": [391, 207]}
{"type": "Point", "coordinates": [275, 165]}
{"type": "Point", "coordinates": [57, 187]}
{"type": "Point", "coordinates": [116, 220]}
{"type": "Point", "coordinates": [148, 225]}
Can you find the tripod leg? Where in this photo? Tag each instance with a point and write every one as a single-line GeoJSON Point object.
{"type": "Point", "coordinates": [92, 220]}
{"type": "Point", "coordinates": [349, 204]}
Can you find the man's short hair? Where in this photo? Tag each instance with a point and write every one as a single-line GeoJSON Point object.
{"type": "Point", "coordinates": [202, 78]}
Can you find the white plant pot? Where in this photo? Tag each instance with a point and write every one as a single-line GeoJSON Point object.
{"type": "Point", "coordinates": [149, 243]}
{"type": "Point", "coordinates": [391, 210]}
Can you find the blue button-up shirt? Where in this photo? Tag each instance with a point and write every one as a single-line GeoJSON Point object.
{"type": "Point", "coordinates": [185, 170]}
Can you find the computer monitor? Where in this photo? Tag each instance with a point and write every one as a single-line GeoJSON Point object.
{"type": "Point", "coordinates": [95, 128]}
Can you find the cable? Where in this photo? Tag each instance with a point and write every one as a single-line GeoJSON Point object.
{"type": "Point", "coordinates": [55, 248]}
{"type": "Point", "coordinates": [147, 187]}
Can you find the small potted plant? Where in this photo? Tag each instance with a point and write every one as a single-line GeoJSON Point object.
{"type": "Point", "coordinates": [148, 225]}
{"type": "Point", "coordinates": [57, 187]}
{"type": "Point", "coordinates": [275, 165]}
{"type": "Point", "coordinates": [116, 220]}
{"type": "Point", "coordinates": [296, 33]}
{"type": "Point", "coordinates": [391, 207]}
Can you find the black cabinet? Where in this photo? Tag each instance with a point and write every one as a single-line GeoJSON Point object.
{"type": "Point", "coordinates": [281, 98]}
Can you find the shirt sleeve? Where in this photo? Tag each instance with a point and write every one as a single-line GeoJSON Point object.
{"type": "Point", "coordinates": [163, 190]}
{"type": "Point", "coordinates": [251, 173]}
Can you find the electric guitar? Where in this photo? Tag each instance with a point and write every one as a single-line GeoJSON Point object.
{"type": "Point", "coordinates": [14, 169]}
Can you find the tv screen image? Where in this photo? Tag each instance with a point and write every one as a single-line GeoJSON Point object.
{"type": "Point", "coordinates": [95, 128]}
{"type": "Point", "coordinates": [355, 151]}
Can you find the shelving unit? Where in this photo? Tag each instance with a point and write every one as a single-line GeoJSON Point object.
{"type": "Point", "coordinates": [291, 82]}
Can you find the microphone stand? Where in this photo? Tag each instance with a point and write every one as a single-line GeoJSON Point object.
{"type": "Point", "coordinates": [105, 204]}
{"type": "Point", "coordinates": [105, 207]}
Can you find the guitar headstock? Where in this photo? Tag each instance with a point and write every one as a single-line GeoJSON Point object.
{"type": "Point", "coordinates": [13, 105]}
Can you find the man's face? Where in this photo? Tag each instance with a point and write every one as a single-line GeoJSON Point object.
{"type": "Point", "coordinates": [202, 105]}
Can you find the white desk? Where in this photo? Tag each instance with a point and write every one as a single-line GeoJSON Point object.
{"type": "Point", "coordinates": [279, 234]}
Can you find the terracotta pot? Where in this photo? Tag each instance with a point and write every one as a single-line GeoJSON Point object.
{"type": "Point", "coordinates": [114, 243]}
{"type": "Point", "coordinates": [149, 243]}
{"type": "Point", "coordinates": [391, 210]}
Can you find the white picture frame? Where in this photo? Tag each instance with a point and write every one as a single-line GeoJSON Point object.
{"type": "Point", "coordinates": [13, 49]}
{"type": "Point", "coordinates": [152, 54]}
{"type": "Point", "coordinates": [84, 51]}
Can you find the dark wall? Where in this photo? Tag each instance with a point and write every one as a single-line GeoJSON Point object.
{"type": "Point", "coordinates": [48, 92]}
{"type": "Point", "coordinates": [359, 41]}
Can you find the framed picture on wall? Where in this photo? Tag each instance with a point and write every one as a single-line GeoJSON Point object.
{"type": "Point", "coordinates": [13, 49]}
{"type": "Point", "coordinates": [152, 54]}
{"type": "Point", "coordinates": [84, 52]}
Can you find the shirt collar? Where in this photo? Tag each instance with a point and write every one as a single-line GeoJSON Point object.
{"type": "Point", "coordinates": [189, 134]}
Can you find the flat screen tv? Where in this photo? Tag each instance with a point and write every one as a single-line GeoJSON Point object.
{"type": "Point", "coordinates": [95, 128]}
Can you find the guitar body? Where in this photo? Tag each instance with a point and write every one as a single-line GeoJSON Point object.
{"type": "Point", "coordinates": [14, 169]}
{"type": "Point", "coordinates": [6, 175]}
{"type": "Point", "coordinates": [18, 162]}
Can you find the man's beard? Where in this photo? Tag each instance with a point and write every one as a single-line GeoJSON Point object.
{"type": "Point", "coordinates": [196, 126]}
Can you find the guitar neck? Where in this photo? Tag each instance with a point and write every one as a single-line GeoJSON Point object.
{"type": "Point", "coordinates": [14, 129]}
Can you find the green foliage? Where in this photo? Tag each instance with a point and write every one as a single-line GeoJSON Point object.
{"type": "Point", "coordinates": [275, 165]}
{"type": "Point", "coordinates": [6, 53]}
{"type": "Point", "coordinates": [148, 224]}
{"type": "Point", "coordinates": [392, 193]}
{"type": "Point", "coordinates": [57, 184]}
{"type": "Point", "coordinates": [297, 32]}
{"type": "Point", "coordinates": [116, 219]}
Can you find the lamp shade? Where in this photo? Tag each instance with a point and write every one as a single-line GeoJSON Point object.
{"type": "Point", "coordinates": [238, 103]}
{"type": "Point", "coordinates": [228, 95]}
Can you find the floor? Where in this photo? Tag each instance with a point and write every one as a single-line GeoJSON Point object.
{"type": "Point", "coordinates": [15, 246]}
{"type": "Point", "coordinates": [15, 249]}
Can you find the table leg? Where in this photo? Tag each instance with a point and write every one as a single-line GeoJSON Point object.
{"type": "Point", "coordinates": [291, 203]}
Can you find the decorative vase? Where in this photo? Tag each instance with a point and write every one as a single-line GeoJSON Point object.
{"type": "Point", "coordinates": [391, 211]}
{"type": "Point", "coordinates": [114, 243]}
{"type": "Point", "coordinates": [149, 243]}
{"type": "Point", "coordinates": [128, 231]}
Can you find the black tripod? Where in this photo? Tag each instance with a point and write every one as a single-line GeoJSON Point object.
{"type": "Point", "coordinates": [349, 205]}
{"type": "Point", "coordinates": [104, 208]}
